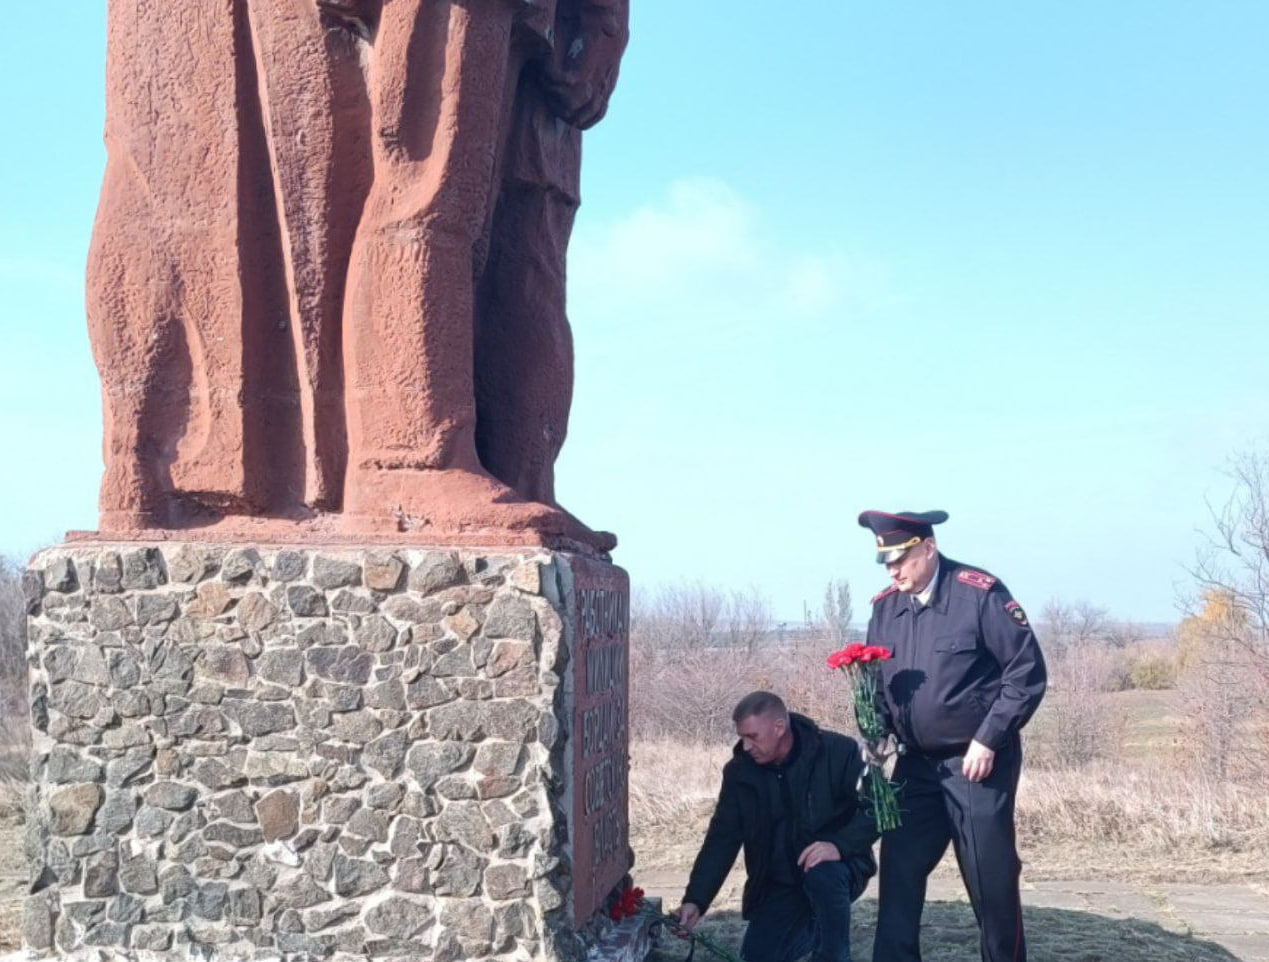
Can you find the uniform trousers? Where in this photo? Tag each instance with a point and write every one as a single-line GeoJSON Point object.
{"type": "Point", "coordinates": [814, 917]}
{"type": "Point", "coordinates": [940, 805]}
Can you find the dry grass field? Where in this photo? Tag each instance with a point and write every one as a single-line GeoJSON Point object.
{"type": "Point", "coordinates": [13, 874]}
{"type": "Point", "coordinates": [1140, 817]}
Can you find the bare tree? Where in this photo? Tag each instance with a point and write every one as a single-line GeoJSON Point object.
{"type": "Point", "coordinates": [748, 619]}
{"type": "Point", "coordinates": [1092, 623]}
{"type": "Point", "coordinates": [698, 615]}
{"type": "Point", "coordinates": [1064, 625]}
{"type": "Point", "coordinates": [14, 729]}
{"type": "Point", "coordinates": [648, 629]}
{"type": "Point", "coordinates": [1234, 562]}
{"type": "Point", "coordinates": [678, 615]}
{"type": "Point", "coordinates": [1223, 643]}
{"type": "Point", "coordinates": [695, 608]}
{"type": "Point", "coordinates": [1124, 634]}
{"type": "Point", "coordinates": [1215, 735]}
{"type": "Point", "coordinates": [1056, 626]}
{"type": "Point", "coordinates": [837, 611]}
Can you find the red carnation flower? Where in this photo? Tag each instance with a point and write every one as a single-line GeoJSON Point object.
{"type": "Point", "coordinates": [839, 659]}
{"type": "Point", "coordinates": [874, 653]}
{"type": "Point", "coordinates": [628, 904]}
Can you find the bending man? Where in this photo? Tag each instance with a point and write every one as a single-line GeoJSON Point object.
{"type": "Point", "coordinates": [790, 799]}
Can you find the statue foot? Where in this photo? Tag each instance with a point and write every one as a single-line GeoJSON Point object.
{"type": "Point", "coordinates": [138, 496]}
{"type": "Point", "coordinates": [132, 499]}
{"type": "Point", "coordinates": [455, 504]}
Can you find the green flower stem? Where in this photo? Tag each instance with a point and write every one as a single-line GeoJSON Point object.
{"type": "Point", "coordinates": [879, 793]}
{"type": "Point", "coordinates": [881, 796]}
{"type": "Point", "coordinates": [699, 938]}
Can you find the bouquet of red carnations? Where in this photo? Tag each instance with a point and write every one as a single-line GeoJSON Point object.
{"type": "Point", "coordinates": [861, 664]}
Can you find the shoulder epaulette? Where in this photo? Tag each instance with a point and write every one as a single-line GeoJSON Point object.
{"type": "Point", "coordinates": [883, 593]}
{"type": "Point", "coordinates": [978, 579]}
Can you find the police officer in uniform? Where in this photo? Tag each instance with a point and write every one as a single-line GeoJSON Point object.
{"type": "Point", "coordinates": [966, 674]}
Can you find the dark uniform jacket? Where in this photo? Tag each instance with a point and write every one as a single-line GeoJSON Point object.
{"type": "Point", "coordinates": [966, 666]}
{"type": "Point", "coordinates": [822, 781]}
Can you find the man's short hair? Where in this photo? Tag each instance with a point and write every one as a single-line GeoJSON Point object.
{"type": "Point", "coordinates": [759, 703]}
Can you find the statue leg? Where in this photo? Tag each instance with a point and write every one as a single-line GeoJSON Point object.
{"type": "Point", "coordinates": [140, 348]}
{"type": "Point", "coordinates": [438, 97]}
{"type": "Point", "coordinates": [524, 348]}
{"type": "Point", "coordinates": [163, 301]}
{"type": "Point", "coordinates": [315, 119]}
{"type": "Point", "coordinates": [408, 307]}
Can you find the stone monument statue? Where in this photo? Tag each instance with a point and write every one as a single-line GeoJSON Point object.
{"type": "Point", "coordinates": [326, 281]}
{"type": "Point", "coordinates": [337, 678]}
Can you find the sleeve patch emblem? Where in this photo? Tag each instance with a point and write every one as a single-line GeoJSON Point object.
{"type": "Point", "coordinates": [1016, 613]}
{"type": "Point", "coordinates": [975, 578]}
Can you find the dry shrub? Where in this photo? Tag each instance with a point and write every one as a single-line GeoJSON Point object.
{"type": "Point", "coordinates": [1226, 719]}
{"type": "Point", "coordinates": [1151, 667]}
{"type": "Point", "coordinates": [696, 650]}
{"type": "Point", "coordinates": [12, 639]}
{"type": "Point", "coordinates": [15, 733]}
{"type": "Point", "coordinates": [1155, 809]}
{"type": "Point", "coordinates": [13, 800]}
{"type": "Point", "coordinates": [810, 688]}
{"type": "Point", "coordinates": [1224, 677]}
{"type": "Point", "coordinates": [15, 748]}
{"type": "Point", "coordinates": [689, 694]}
{"type": "Point", "coordinates": [686, 694]}
{"type": "Point", "coordinates": [1078, 721]}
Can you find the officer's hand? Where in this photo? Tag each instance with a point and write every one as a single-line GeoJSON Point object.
{"type": "Point", "coordinates": [977, 762]}
{"type": "Point", "coordinates": [688, 915]}
{"type": "Point", "coordinates": [818, 852]}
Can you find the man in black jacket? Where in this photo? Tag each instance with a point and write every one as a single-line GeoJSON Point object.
{"type": "Point", "coordinates": [790, 799]}
{"type": "Point", "coordinates": [965, 675]}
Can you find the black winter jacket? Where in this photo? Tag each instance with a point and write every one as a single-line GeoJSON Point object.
{"type": "Point", "coordinates": [823, 781]}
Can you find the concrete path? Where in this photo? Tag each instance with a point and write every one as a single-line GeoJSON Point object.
{"type": "Point", "coordinates": [1235, 917]}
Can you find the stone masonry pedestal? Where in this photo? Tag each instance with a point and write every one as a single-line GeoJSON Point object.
{"type": "Point", "coordinates": [325, 752]}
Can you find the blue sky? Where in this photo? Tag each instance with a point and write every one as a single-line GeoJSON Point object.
{"type": "Point", "coordinates": [1007, 259]}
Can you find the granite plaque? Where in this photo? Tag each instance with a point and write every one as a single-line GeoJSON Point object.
{"type": "Point", "coordinates": [600, 750]}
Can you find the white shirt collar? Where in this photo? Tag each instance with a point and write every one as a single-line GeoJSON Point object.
{"type": "Point", "coordinates": [924, 597]}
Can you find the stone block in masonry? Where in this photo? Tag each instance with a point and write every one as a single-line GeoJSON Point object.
{"type": "Point", "coordinates": [340, 752]}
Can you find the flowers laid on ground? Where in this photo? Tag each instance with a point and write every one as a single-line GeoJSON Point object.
{"type": "Point", "coordinates": [631, 902]}
{"type": "Point", "coordinates": [861, 664]}
{"type": "Point", "coordinates": [628, 903]}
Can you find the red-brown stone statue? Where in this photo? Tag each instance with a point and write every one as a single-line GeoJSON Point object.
{"type": "Point", "coordinates": [326, 283]}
